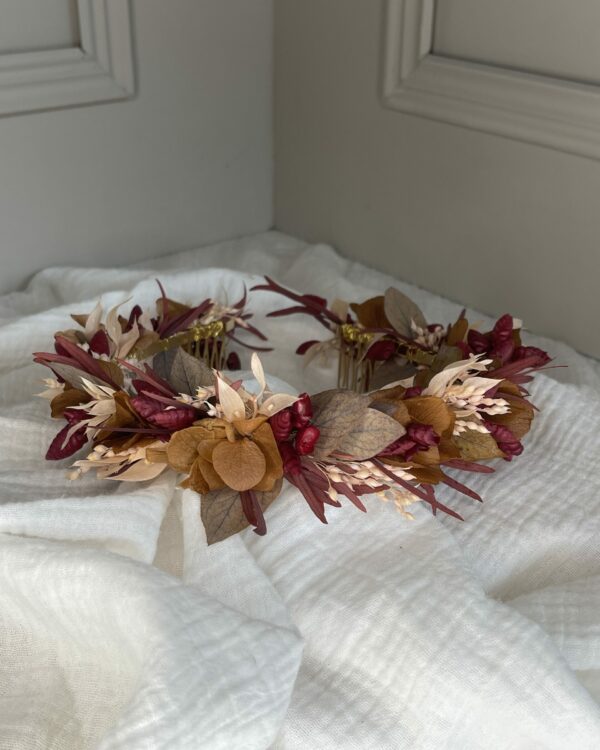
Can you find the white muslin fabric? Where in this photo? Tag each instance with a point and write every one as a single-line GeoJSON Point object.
{"type": "Point", "coordinates": [121, 630]}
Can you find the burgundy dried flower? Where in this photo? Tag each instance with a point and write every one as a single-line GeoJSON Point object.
{"type": "Point", "coordinates": [422, 434]}
{"type": "Point", "coordinates": [281, 424]}
{"type": "Point", "coordinates": [507, 442]}
{"type": "Point", "coordinates": [478, 342]}
{"type": "Point", "coordinates": [291, 460]}
{"type": "Point", "coordinates": [99, 343]}
{"type": "Point", "coordinates": [503, 329]}
{"type": "Point", "coordinates": [381, 350]}
{"type": "Point", "coordinates": [233, 361]}
{"type": "Point", "coordinates": [159, 415]}
{"type": "Point", "coordinates": [58, 448]}
{"type": "Point", "coordinates": [302, 411]}
{"type": "Point", "coordinates": [306, 439]}
{"type": "Point", "coordinates": [404, 447]}
{"type": "Point", "coordinates": [173, 419]}
{"type": "Point", "coordinates": [503, 350]}
{"type": "Point", "coordinates": [134, 316]}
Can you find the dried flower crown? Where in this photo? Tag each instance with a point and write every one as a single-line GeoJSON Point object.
{"type": "Point", "coordinates": [439, 398]}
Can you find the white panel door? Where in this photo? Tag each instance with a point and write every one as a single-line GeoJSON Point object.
{"type": "Point", "coordinates": [452, 143]}
{"type": "Point", "coordinates": [27, 25]}
{"type": "Point", "coordinates": [552, 37]}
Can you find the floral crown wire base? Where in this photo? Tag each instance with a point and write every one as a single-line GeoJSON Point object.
{"type": "Point", "coordinates": [414, 401]}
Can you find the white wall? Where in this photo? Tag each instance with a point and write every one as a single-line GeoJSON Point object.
{"type": "Point", "coordinates": [495, 223]}
{"type": "Point", "coordinates": [187, 161]}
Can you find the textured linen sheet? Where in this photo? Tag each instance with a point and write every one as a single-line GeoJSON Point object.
{"type": "Point", "coordinates": [120, 629]}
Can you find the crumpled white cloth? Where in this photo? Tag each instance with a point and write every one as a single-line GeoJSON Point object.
{"type": "Point", "coordinates": [121, 629]}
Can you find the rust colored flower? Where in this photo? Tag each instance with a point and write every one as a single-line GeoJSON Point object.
{"type": "Point", "coordinates": [214, 453]}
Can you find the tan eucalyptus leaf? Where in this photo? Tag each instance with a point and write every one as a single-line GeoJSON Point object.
{"type": "Point", "coordinates": [477, 446]}
{"type": "Point", "coordinates": [182, 448]}
{"type": "Point", "coordinates": [240, 464]}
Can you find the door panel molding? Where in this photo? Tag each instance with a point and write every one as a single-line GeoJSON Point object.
{"type": "Point", "coordinates": [100, 69]}
{"type": "Point", "coordinates": [538, 109]}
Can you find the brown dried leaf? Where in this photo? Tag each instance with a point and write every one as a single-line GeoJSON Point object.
{"type": "Point", "coordinates": [65, 400]}
{"type": "Point", "coordinates": [477, 446]}
{"type": "Point", "coordinates": [173, 308]}
{"type": "Point", "coordinates": [372, 434]}
{"type": "Point", "coordinates": [431, 410]}
{"type": "Point", "coordinates": [458, 332]}
{"type": "Point", "coordinates": [401, 311]}
{"type": "Point", "coordinates": [371, 313]}
{"type": "Point", "coordinates": [113, 371]}
{"type": "Point", "coordinates": [336, 413]}
{"type": "Point", "coordinates": [222, 514]}
{"type": "Point", "coordinates": [390, 371]}
{"type": "Point", "coordinates": [182, 371]}
{"type": "Point", "coordinates": [390, 401]}
{"type": "Point", "coordinates": [80, 319]}
{"type": "Point", "coordinates": [519, 418]}
{"type": "Point", "coordinates": [430, 457]}
{"type": "Point", "coordinates": [240, 464]}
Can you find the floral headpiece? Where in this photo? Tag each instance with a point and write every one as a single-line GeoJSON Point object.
{"type": "Point", "coordinates": [462, 404]}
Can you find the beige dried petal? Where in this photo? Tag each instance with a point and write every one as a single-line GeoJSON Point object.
{"type": "Point", "coordinates": [230, 402]}
{"type": "Point", "coordinates": [276, 403]}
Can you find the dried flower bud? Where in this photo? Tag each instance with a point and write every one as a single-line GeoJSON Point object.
{"type": "Point", "coordinates": [99, 343]}
{"type": "Point", "coordinates": [281, 424]}
{"type": "Point", "coordinates": [381, 350]}
{"type": "Point", "coordinates": [306, 439]}
{"type": "Point", "coordinates": [302, 411]}
{"type": "Point", "coordinates": [503, 330]}
{"type": "Point", "coordinates": [478, 342]}
{"type": "Point", "coordinates": [403, 447]}
{"type": "Point", "coordinates": [521, 352]}
{"type": "Point", "coordinates": [134, 316]}
{"type": "Point", "coordinates": [173, 419]}
{"type": "Point", "coordinates": [422, 434]}
{"type": "Point", "coordinates": [290, 459]}
{"type": "Point", "coordinates": [507, 442]}
{"type": "Point", "coordinates": [233, 361]}
{"type": "Point", "coordinates": [145, 406]}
